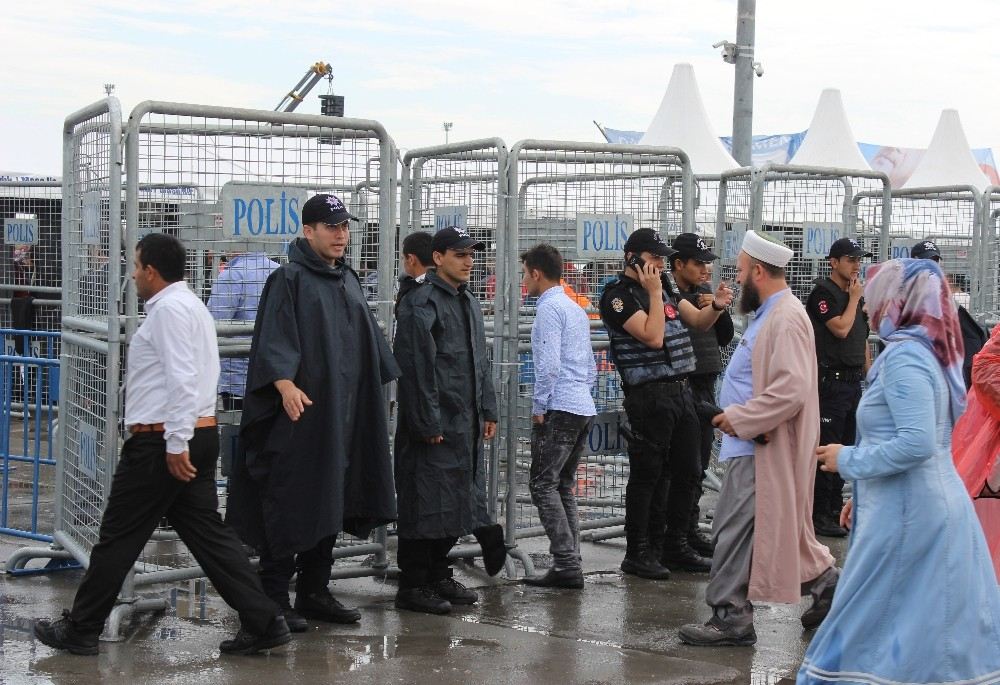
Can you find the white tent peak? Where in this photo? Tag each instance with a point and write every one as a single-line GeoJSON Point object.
{"type": "Point", "coordinates": [681, 121]}
{"type": "Point", "coordinates": [830, 142]}
{"type": "Point", "coordinates": [948, 160]}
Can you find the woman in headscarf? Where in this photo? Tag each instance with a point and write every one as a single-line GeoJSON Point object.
{"type": "Point", "coordinates": [975, 444]}
{"type": "Point", "coordinates": [918, 601]}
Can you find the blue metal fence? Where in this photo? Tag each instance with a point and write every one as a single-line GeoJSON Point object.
{"type": "Point", "coordinates": [29, 382]}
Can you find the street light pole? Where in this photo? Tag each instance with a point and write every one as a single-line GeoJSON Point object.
{"type": "Point", "coordinates": [743, 88]}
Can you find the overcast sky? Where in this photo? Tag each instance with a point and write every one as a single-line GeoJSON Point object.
{"type": "Point", "coordinates": [514, 69]}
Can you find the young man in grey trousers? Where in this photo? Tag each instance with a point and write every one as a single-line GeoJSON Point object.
{"type": "Point", "coordinates": [562, 411]}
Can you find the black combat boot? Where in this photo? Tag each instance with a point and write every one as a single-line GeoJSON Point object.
{"type": "Point", "coordinates": [679, 556]}
{"type": "Point", "coordinates": [640, 561]}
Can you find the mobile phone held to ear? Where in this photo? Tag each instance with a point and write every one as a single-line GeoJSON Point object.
{"type": "Point", "coordinates": [636, 262]}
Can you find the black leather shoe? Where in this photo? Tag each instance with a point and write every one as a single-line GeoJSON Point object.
{"type": "Point", "coordinates": [569, 578]}
{"type": "Point", "coordinates": [701, 543]}
{"type": "Point", "coordinates": [644, 565]}
{"type": "Point", "coordinates": [295, 622]}
{"type": "Point", "coordinates": [680, 557]}
{"type": "Point", "coordinates": [322, 606]}
{"type": "Point", "coordinates": [245, 642]}
{"type": "Point", "coordinates": [829, 528]}
{"type": "Point", "coordinates": [453, 591]}
{"type": "Point", "coordinates": [422, 599]}
{"type": "Point", "coordinates": [814, 615]}
{"type": "Point", "coordinates": [62, 634]}
{"type": "Point", "coordinates": [717, 633]}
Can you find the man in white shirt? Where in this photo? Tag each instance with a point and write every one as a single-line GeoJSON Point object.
{"type": "Point", "coordinates": [562, 411]}
{"type": "Point", "coordinates": [167, 466]}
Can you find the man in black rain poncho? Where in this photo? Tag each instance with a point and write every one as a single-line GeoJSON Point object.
{"type": "Point", "coordinates": [314, 438]}
{"type": "Point", "coordinates": [447, 408]}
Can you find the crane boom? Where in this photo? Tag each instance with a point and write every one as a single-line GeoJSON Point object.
{"type": "Point", "coordinates": [297, 94]}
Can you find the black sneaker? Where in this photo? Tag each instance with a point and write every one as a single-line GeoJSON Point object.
{"type": "Point", "coordinates": [814, 615]}
{"type": "Point", "coordinates": [680, 557]}
{"type": "Point", "coordinates": [453, 591]}
{"type": "Point", "coordinates": [829, 527]}
{"type": "Point", "coordinates": [245, 642]}
{"type": "Point", "coordinates": [568, 578]}
{"type": "Point", "coordinates": [322, 606]}
{"type": "Point", "coordinates": [422, 599]}
{"type": "Point", "coordinates": [295, 622]}
{"type": "Point", "coordinates": [717, 633]}
{"type": "Point", "coordinates": [62, 634]}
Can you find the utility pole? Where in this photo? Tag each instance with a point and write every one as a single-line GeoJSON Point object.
{"type": "Point", "coordinates": [743, 88]}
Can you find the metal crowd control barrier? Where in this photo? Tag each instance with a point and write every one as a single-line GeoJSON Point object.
{"type": "Point", "coordinates": [28, 423]}
{"type": "Point", "coordinates": [464, 184]}
{"type": "Point", "coordinates": [584, 199]}
{"type": "Point", "coordinates": [226, 182]}
{"type": "Point", "coordinates": [31, 210]}
{"type": "Point", "coordinates": [87, 439]}
{"type": "Point", "coordinates": [808, 208]}
{"type": "Point", "coordinates": [951, 216]}
{"type": "Point", "coordinates": [989, 258]}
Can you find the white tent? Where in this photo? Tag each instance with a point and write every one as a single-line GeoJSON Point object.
{"type": "Point", "coordinates": [681, 121]}
{"type": "Point", "coordinates": [948, 160]}
{"type": "Point", "coordinates": [829, 142]}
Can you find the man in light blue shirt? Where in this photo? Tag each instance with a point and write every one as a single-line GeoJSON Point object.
{"type": "Point", "coordinates": [235, 296]}
{"type": "Point", "coordinates": [562, 411]}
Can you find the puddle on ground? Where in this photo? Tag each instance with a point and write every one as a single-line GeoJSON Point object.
{"type": "Point", "coordinates": [366, 650]}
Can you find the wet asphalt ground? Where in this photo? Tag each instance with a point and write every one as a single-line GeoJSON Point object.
{"type": "Point", "coordinates": [619, 629]}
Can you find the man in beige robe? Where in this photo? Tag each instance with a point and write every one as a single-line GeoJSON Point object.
{"type": "Point", "coordinates": [766, 549]}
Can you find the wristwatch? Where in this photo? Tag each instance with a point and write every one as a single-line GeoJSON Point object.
{"type": "Point", "coordinates": [718, 309]}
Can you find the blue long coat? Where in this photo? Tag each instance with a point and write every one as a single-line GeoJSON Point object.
{"type": "Point", "coordinates": [918, 601]}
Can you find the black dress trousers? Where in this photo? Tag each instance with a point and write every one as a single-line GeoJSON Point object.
{"type": "Point", "coordinates": [142, 493]}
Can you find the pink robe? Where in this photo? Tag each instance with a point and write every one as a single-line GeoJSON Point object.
{"type": "Point", "coordinates": [785, 405]}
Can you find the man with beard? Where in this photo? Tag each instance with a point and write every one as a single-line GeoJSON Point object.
{"type": "Point", "coordinates": [835, 307]}
{"type": "Point", "coordinates": [447, 409]}
{"type": "Point", "coordinates": [650, 346]}
{"type": "Point", "coordinates": [314, 436]}
{"type": "Point", "coordinates": [765, 547]}
{"type": "Point", "coordinates": [691, 269]}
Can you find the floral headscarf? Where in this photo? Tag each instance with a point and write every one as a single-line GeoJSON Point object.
{"type": "Point", "coordinates": [909, 299]}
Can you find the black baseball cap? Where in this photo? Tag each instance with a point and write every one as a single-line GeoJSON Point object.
{"type": "Point", "coordinates": [847, 247]}
{"type": "Point", "coordinates": [691, 246]}
{"type": "Point", "coordinates": [454, 238]}
{"type": "Point", "coordinates": [327, 209]}
{"type": "Point", "coordinates": [925, 249]}
{"type": "Point", "coordinates": [648, 240]}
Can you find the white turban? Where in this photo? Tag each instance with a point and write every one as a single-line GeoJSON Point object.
{"type": "Point", "coordinates": [766, 249]}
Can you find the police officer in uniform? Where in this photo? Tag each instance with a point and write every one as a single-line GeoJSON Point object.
{"type": "Point", "coordinates": [841, 328]}
{"type": "Point", "coordinates": [651, 348]}
{"type": "Point", "coordinates": [691, 269]}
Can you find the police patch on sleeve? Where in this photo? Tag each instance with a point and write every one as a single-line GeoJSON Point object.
{"type": "Point", "coordinates": [617, 305]}
{"type": "Point", "coordinates": [823, 307]}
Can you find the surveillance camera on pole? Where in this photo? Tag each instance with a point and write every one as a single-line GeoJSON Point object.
{"type": "Point", "coordinates": [741, 54]}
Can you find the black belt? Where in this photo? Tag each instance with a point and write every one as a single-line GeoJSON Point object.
{"type": "Point", "coordinates": [672, 386]}
{"type": "Point", "coordinates": [844, 375]}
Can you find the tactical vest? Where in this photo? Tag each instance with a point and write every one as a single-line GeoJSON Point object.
{"type": "Point", "coordinates": [840, 353]}
{"type": "Point", "coordinates": [708, 356]}
{"type": "Point", "coordinates": [637, 363]}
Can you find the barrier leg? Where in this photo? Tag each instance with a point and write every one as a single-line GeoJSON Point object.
{"type": "Point", "coordinates": [59, 560]}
